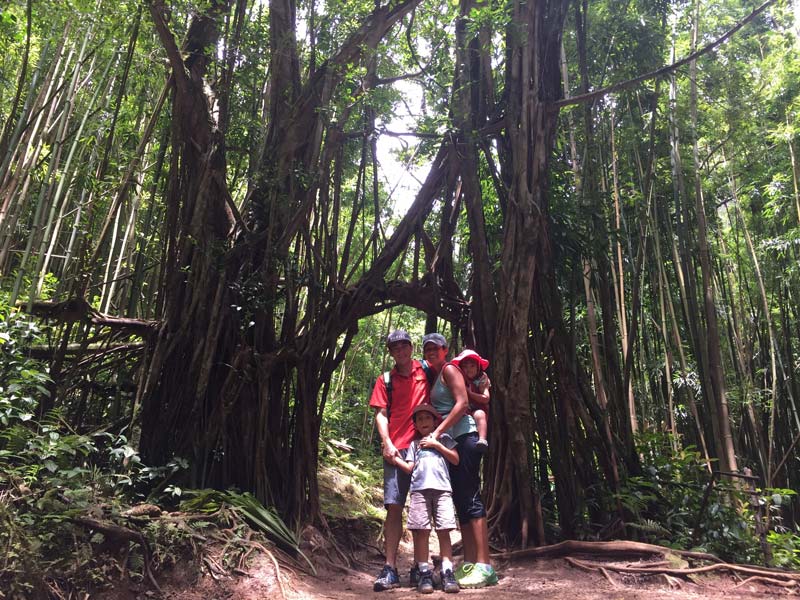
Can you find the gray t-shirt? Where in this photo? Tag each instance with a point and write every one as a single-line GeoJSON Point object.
{"type": "Point", "coordinates": [431, 470]}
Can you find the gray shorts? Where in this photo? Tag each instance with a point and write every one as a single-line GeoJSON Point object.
{"type": "Point", "coordinates": [395, 484]}
{"type": "Point", "coordinates": [433, 506]}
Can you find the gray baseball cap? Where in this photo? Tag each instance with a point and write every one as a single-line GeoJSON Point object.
{"type": "Point", "coordinates": [434, 338]}
{"type": "Point", "coordinates": [398, 335]}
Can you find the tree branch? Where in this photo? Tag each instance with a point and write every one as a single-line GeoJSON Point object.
{"type": "Point", "coordinates": [665, 69]}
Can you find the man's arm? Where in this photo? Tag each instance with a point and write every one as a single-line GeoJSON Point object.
{"type": "Point", "coordinates": [455, 381]}
{"type": "Point", "coordinates": [382, 424]}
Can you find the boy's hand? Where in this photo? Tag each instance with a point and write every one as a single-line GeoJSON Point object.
{"type": "Point", "coordinates": [429, 442]}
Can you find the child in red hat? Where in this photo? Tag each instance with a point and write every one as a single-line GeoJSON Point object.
{"type": "Point", "coordinates": [473, 365]}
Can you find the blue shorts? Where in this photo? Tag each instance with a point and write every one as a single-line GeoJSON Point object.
{"type": "Point", "coordinates": [465, 478]}
{"type": "Point", "coordinates": [395, 484]}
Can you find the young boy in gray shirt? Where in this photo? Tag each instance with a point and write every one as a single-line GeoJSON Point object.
{"type": "Point", "coordinates": [431, 496]}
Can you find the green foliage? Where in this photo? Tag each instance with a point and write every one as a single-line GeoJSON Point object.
{"type": "Point", "coordinates": [672, 503]}
{"type": "Point", "coordinates": [246, 505]}
{"type": "Point", "coordinates": [351, 484]}
{"type": "Point", "coordinates": [21, 378]}
{"type": "Point", "coordinates": [347, 413]}
{"type": "Point", "coordinates": [49, 474]}
{"type": "Point", "coordinates": [785, 548]}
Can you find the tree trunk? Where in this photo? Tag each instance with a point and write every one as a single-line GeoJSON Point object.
{"type": "Point", "coordinates": [724, 435]}
{"type": "Point", "coordinates": [251, 327]}
{"type": "Point", "coordinates": [533, 80]}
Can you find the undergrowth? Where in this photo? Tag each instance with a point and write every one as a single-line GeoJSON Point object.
{"type": "Point", "coordinates": [78, 511]}
{"type": "Point", "coordinates": [349, 484]}
{"type": "Point", "coordinates": [675, 503]}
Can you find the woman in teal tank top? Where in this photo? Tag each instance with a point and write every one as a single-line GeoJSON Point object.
{"type": "Point", "coordinates": [443, 401]}
{"type": "Point", "coordinates": [449, 398]}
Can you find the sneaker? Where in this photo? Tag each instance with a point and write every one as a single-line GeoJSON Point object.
{"type": "Point", "coordinates": [449, 583]}
{"type": "Point", "coordinates": [475, 576]}
{"type": "Point", "coordinates": [459, 573]}
{"type": "Point", "coordinates": [413, 576]}
{"type": "Point", "coordinates": [481, 445]}
{"type": "Point", "coordinates": [387, 580]}
{"type": "Point", "coordinates": [425, 584]}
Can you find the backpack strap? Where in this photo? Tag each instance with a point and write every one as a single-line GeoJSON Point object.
{"type": "Point", "coordinates": [387, 381]}
{"type": "Point", "coordinates": [429, 372]}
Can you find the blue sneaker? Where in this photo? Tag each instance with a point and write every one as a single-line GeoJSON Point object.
{"type": "Point", "coordinates": [413, 576]}
{"type": "Point", "coordinates": [387, 580]}
{"type": "Point", "coordinates": [449, 583]}
{"type": "Point", "coordinates": [425, 583]}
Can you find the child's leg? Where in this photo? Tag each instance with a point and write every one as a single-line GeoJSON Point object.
{"type": "Point", "coordinates": [421, 543]}
{"type": "Point", "coordinates": [446, 522]}
{"type": "Point", "coordinates": [480, 422]}
{"type": "Point", "coordinates": [419, 523]}
{"type": "Point", "coordinates": [445, 547]}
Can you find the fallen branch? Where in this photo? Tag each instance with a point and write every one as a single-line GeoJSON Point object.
{"type": "Point", "coordinates": [607, 575]}
{"type": "Point", "coordinates": [121, 534]}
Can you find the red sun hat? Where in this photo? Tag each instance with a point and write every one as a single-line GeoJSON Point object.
{"type": "Point", "coordinates": [482, 362]}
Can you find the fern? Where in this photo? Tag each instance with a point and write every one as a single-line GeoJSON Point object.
{"type": "Point", "coordinates": [649, 526]}
{"type": "Point", "coordinates": [249, 508]}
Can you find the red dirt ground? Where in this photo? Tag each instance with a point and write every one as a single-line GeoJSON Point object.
{"type": "Point", "coordinates": [521, 579]}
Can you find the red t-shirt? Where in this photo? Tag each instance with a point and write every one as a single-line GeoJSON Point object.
{"type": "Point", "coordinates": [407, 392]}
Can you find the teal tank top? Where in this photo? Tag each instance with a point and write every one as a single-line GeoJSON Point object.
{"type": "Point", "coordinates": [443, 401]}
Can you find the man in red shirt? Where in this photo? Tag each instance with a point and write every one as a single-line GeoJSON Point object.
{"type": "Point", "coordinates": [393, 410]}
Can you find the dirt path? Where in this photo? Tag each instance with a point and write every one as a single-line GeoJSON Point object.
{"type": "Point", "coordinates": [552, 578]}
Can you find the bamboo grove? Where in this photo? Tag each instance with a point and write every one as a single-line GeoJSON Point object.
{"type": "Point", "coordinates": [190, 193]}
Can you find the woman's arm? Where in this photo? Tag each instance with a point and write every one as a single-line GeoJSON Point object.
{"type": "Point", "coordinates": [454, 380]}
{"type": "Point", "coordinates": [451, 454]}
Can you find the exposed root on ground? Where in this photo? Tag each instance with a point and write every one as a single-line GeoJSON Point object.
{"type": "Point", "coordinates": [618, 548]}
{"type": "Point", "coordinates": [768, 580]}
{"type": "Point", "coordinates": [121, 536]}
{"type": "Point", "coordinates": [665, 569]}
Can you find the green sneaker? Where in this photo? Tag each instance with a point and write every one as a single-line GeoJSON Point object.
{"type": "Point", "coordinates": [462, 569]}
{"type": "Point", "coordinates": [476, 576]}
